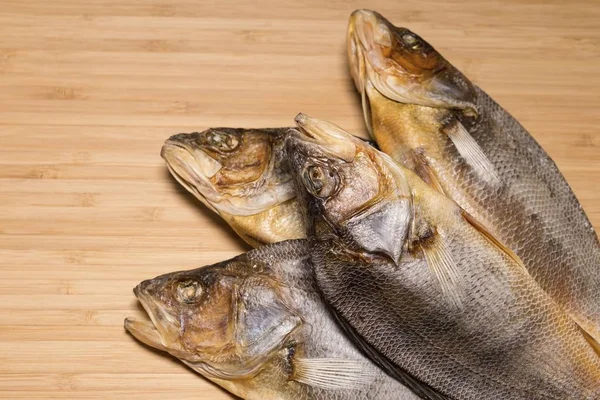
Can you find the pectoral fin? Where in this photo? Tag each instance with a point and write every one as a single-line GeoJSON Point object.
{"type": "Point", "coordinates": [443, 266]}
{"type": "Point", "coordinates": [472, 153]}
{"type": "Point", "coordinates": [333, 373]}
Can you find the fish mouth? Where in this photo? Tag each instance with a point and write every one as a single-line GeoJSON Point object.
{"type": "Point", "coordinates": [193, 169]}
{"type": "Point", "coordinates": [355, 54]}
{"type": "Point", "coordinates": [365, 60]}
{"type": "Point", "coordinates": [161, 331]}
{"type": "Point", "coordinates": [327, 136]}
{"type": "Point", "coordinates": [145, 332]}
{"type": "Point", "coordinates": [160, 336]}
{"type": "Point", "coordinates": [370, 40]}
{"type": "Point", "coordinates": [368, 37]}
{"type": "Point", "coordinates": [368, 32]}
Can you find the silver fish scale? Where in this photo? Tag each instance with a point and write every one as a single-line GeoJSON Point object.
{"type": "Point", "coordinates": [502, 345]}
{"type": "Point", "coordinates": [535, 212]}
{"type": "Point", "coordinates": [288, 262]}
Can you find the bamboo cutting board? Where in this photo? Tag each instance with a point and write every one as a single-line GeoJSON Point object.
{"type": "Point", "coordinates": [90, 89]}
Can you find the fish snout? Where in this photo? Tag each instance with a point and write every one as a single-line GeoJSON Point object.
{"type": "Point", "coordinates": [128, 323]}
{"type": "Point", "coordinates": [181, 137]}
{"type": "Point", "coordinates": [180, 141]}
{"type": "Point", "coordinates": [327, 136]}
{"type": "Point", "coordinates": [361, 16]}
{"type": "Point", "coordinates": [143, 288]}
{"type": "Point", "coordinates": [367, 28]}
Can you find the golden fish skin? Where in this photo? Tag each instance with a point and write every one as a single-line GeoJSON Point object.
{"type": "Point", "coordinates": [256, 326]}
{"type": "Point", "coordinates": [460, 141]}
{"type": "Point", "coordinates": [452, 308]}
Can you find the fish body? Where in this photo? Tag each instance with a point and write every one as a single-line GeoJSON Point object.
{"type": "Point", "coordinates": [429, 117]}
{"type": "Point", "coordinates": [256, 325]}
{"type": "Point", "coordinates": [424, 288]}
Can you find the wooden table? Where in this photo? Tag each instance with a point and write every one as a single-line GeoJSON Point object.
{"type": "Point", "coordinates": [89, 90]}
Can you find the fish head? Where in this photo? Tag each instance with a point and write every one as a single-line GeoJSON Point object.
{"type": "Point", "coordinates": [225, 320]}
{"type": "Point", "coordinates": [351, 190]}
{"type": "Point", "coordinates": [232, 171]}
{"type": "Point", "coordinates": [402, 66]}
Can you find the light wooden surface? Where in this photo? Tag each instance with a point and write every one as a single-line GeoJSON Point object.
{"type": "Point", "coordinates": [90, 89]}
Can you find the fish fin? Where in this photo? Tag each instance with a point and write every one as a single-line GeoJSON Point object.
{"type": "Point", "coordinates": [492, 238]}
{"type": "Point", "coordinates": [471, 152]}
{"type": "Point", "coordinates": [442, 264]}
{"type": "Point", "coordinates": [333, 373]}
{"type": "Point", "coordinates": [424, 170]}
{"type": "Point", "coordinates": [590, 339]}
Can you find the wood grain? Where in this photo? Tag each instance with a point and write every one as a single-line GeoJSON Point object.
{"type": "Point", "coordinates": [90, 89]}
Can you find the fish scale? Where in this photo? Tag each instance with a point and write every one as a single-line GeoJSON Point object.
{"type": "Point", "coordinates": [315, 336]}
{"type": "Point", "coordinates": [430, 358]}
{"type": "Point", "coordinates": [530, 208]}
{"type": "Point", "coordinates": [534, 212]}
{"type": "Point", "coordinates": [325, 338]}
{"type": "Point", "coordinates": [521, 347]}
{"type": "Point", "coordinates": [512, 342]}
{"type": "Point", "coordinates": [504, 338]}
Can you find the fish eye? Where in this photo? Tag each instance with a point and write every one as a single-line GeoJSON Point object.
{"type": "Point", "coordinates": [321, 181]}
{"type": "Point", "coordinates": [411, 41]}
{"type": "Point", "coordinates": [222, 141]}
{"type": "Point", "coordinates": [188, 292]}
